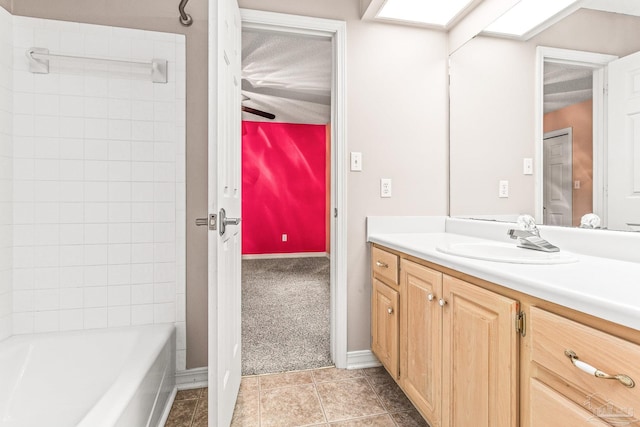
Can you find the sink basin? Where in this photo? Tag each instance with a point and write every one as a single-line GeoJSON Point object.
{"type": "Point", "coordinates": [503, 252]}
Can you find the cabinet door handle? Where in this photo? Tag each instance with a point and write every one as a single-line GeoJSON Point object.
{"type": "Point", "coordinates": [390, 310]}
{"type": "Point", "coordinates": [382, 264]}
{"type": "Point", "coordinates": [442, 302]}
{"type": "Point", "coordinates": [430, 297]}
{"type": "Point", "coordinates": [625, 380]}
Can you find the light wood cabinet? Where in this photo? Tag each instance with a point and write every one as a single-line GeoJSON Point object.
{"type": "Point", "coordinates": [468, 352]}
{"type": "Point", "coordinates": [385, 326]}
{"type": "Point", "coordinates": [593, 399]}
{"type": "Point", "coordinates": [458, 346]}
{"type": "Point", "coordinates": [480, 357]}
{"type": "Point", "coordinates": [421, 338]}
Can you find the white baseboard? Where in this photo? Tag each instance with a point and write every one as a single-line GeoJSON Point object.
{"type": "Point", "coordinates": [362, 359]}
{"type": "Point", "coordinates": [290, 255]}
{"type": "Point", "coordinates": [192, 378]}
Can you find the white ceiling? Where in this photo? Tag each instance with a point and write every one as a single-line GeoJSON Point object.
{"type": "Point", "coordinates": [287, 75]}
{"type": "Point", "coordinates": [566, 84]}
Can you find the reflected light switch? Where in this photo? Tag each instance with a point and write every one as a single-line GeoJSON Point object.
{"type": "Point", "coordinates": [356, 161]}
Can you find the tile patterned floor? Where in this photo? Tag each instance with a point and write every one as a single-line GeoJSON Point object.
{"type": "Point", "coordinates": [321, 397]}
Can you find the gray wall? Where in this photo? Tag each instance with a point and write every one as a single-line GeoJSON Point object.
{"type": "Point", "coordinates": [397, 117]}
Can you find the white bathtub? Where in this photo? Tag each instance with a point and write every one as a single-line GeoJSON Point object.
{"type": "Point", "coordinates": [95, 378]}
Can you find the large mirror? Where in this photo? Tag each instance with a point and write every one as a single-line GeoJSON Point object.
{"type": "Point", "coordinates": [534, 130]}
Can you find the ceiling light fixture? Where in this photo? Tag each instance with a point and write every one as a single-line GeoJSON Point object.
{"type": "Point", "coordinates": [529, 15]}
{"type": "Point", "coordinates": [430, 12]}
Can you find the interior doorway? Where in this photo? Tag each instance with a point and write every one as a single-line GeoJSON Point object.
{"type": "Point", "coordinates": [558, 172]}
{"type": "Point", "coordinates": [311, 101]}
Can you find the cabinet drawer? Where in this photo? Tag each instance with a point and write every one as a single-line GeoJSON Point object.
{"type": "Point", "coordinates": [384, 265]}
{"type": "Point", "coordinates": [552, 335]}
{"type": "Point", "coordinates": [551, 409]}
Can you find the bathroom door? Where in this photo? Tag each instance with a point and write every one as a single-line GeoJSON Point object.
{"type": "Point", "coordinates": [557, 178]}
{"type": "Point", "coordinates": [624, 144]}
{"type": "Point", "coordinates": [224, 196]}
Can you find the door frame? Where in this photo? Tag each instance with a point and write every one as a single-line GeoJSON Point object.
{"type": "Point", "coordinates": [336, 31]}
{"type": "Point", "coordinates": [598, 62]}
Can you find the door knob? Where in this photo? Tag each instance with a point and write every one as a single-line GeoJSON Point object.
{"type": "Point", "coordinates": [224, 221]}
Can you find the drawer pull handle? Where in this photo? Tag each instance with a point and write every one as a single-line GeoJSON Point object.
{"type": "Point", "coordinates": [625, 380]}
{"type": "Point", "coordinates": [390, 310]}
{"type": "Point", "coordinates": [442, 302]}
{"type": "Point", "coordinates": [430, 297]}
{"type": "Point", "coordinates": [382, 264]}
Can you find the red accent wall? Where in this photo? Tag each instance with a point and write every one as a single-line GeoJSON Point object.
{"type": "Point", "coordinates": [284, 187]}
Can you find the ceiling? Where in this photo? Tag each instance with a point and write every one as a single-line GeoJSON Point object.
{"type": "Point", "coordinates": [288, 76]}
{"type": "Point", "coordinates": [566, 84]}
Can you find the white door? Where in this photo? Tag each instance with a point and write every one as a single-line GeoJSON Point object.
{"type": "Point", "coordinates": [623, 176]}
{"type": "Point", "coordinates": [224, 197]}
{"type": "Point", "coordinates": [557, 178]}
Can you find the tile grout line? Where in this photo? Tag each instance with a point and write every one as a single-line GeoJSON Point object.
{"type": "Point", "coordinates": [315, 388]}
{"type": "Point", "coordinates": [388, 411]}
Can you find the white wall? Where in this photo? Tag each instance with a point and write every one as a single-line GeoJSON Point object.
{"type": "Point", "coordinates": [397, 117]}
{"type": "Point", "coordinates": [6, 173]}
{"type": "Point", "coordinates": [98, 183]}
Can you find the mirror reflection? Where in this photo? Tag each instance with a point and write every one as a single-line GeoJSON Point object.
{"type": "Point", "coordinates": [545, 126]}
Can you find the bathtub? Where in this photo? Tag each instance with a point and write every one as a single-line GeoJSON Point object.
{"type": "Point", "coordinates": [93, 378]}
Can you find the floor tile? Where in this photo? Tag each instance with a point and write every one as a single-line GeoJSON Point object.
{"type": "Point", "coordinates": [334, 374]}
{"type": "Point", "coordinates": [346, 399]}
{"type": "Point", "coordinates": [377, 421]}
{"type": "Point", "coordinates": [247, 410]}
{"type": "Point", "coordinates": [200, 418]}
{"type": "Point", "coordinates": [409, 419]}
{"type": "Point", "coordinates": [290, 406]}
{"type": "Point", "coordinates": [188, 394]}
{"type": "Point", "coordinates": [390, 394]}
{"type": "Point", "coordinates": [249, 384]}
{"type": "Point", "coordinates": [181, 413]}
{"type": "Point", "coordinates": [286, 379]}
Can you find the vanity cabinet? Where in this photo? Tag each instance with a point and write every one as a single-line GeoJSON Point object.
{"type": "Point", "coordinates": [576, 394]}
{"type": "Point", "coordinates": [385, 302]}
{"type": "Point", "coordinates": [458, 346]}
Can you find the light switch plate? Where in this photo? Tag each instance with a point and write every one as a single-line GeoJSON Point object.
{"type": "Point", "coordinates": [527, 166]}
{"type": "Point", "coordinates": [356, 161]}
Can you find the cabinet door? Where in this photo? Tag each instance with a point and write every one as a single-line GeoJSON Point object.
{"type": "Point", "coordinates": [480, 357]}
{"type": "Point", "coordinates": [384, 326]}
{"type": "Point", "coordinates": [421, 338]}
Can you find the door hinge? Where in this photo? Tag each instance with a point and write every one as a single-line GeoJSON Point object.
{"type": "Point", "coordinates": [521, 323]}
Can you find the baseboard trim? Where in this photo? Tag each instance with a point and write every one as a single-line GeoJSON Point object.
{"type": "Point", "coordinates": [192, 378]}
{"type": "Point", "coordinates": [290, 255]}
{"type": "Point", "coordinates": [362, 359]}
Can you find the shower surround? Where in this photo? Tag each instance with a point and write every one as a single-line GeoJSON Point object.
{"type": "Point", "coordinates": [93, 205]}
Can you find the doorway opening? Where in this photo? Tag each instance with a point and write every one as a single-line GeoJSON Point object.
{"type": "Point", "coordinates": [570, 135]}
{"type": "Point", "coordinates": [294, 278]}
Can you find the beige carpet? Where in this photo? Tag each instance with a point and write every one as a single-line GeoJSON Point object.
{"type": "Point", "coordinates": [285, 315]}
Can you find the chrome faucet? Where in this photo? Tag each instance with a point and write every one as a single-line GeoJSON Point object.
{"type": "Point", "coordinates": [529, 236]}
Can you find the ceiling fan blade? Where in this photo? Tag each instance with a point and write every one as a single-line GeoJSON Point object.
{"type": "Point", "coordinates": [258, 113]}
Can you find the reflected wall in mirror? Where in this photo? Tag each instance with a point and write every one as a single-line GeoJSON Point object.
{"type": "Point", "coordinates": [497, 116]}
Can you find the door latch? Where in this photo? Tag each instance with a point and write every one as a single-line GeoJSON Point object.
{"type": "Point", "coordinates": [211, 222]}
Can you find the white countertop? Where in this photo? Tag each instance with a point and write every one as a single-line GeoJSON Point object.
{"type": "Point", "coordinates": [602, 287]}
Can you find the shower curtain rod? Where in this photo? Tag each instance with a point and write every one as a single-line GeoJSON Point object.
{"type": "Point", "coordinates": [39, 63]}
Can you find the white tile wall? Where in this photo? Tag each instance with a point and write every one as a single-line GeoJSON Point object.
{"type": "Point", "coordinates": [6, 174]}
{"type": "Point", "coordinates": [98, 182]}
